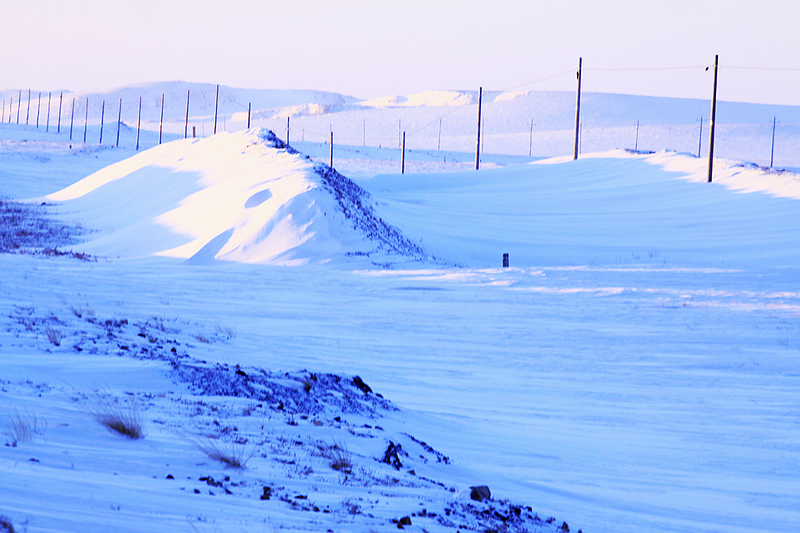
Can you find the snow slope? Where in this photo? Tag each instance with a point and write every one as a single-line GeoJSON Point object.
{"type": "Point", "coordinates": [233, 197]}
{"type": "Point", "coordinates": [635, 369]}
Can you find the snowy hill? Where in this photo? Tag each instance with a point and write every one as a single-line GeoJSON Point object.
{"type": "Point", "coordinates": [239, 197]}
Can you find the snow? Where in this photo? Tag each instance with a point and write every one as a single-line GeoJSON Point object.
{"type": "Point", "coordinates": [635, 369]}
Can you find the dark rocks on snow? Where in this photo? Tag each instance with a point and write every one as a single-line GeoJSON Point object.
{"type": "Point", "coordinates": [480, 493]}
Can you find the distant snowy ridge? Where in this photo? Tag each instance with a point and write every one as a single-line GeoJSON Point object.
{"type": "Point", "coordinates": [243, 197]}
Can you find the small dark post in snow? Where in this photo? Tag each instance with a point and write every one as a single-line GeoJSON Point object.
{"type": "Point", "coordinates": [186, 122]}
{"type": "Point", "coordinates": [700, 142]}
{"type": "Point", "coordinates": [248, 115]}
{"type": "Point", "coordinates": [49, 98]}
{"type": "Point", "coordinates": [86, 121]}
{"type": "Point", "coordinates": [403, 156]}
{"type": "Point", "coordinates": [38, 109]}
{"type": "Point", "coordinates": [576, 149]}
{"type": "Point", "coordinates": [194, 132]}
{"type": "Point", "coordinates": [505, 260]}
{"type": "Point", "coordinates": [139, 124]}
{"type": "Point", "coordinates": [331, 150]}
{"type": "Point", "coordinates": [71, 119]}
{"type": "Point", "coordinates": [28, 112]}
{"type": "Point", "coordinates": [60, 99]}
{"type": "Point", "coordinates": [713, 121]}
{"type": "Point", "coordinates": [287, 132]}
{"type": "Point", "coordinates": [161, 120]}
{"type": "Point", "coordinates": [102, 119]}
{"type": "Point", "coordinates": [119, 122]}
{"type": "Point", "coordinates": [772, 151]}
{"type": "Point", "coordinates": [636, 145]}
{"type": "Point", "coordinates": [19, 102]}
{"type": "Point", "coordinates": [216, 104]}
{"type": "Point", "coordinates": [478, 142]}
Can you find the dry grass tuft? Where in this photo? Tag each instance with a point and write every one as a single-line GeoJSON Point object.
{"type": "Point", "coordinates": [53, 335]}
{"type": "Point", "coordinates": [234, 454]}
{"type": "Point", "coordinates": [338, 456]}
{"type": "Point", "coordinates": [123, 419]}
{"type": "Point", "coordinates": [25, 428]}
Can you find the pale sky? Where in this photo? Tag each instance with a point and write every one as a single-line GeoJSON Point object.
{"type": "Point", "coordinates": [377, 48]}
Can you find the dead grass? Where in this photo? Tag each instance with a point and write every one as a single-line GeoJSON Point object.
{"type": "Point", "coordinates": [338, 456]}
{"type": "Point", "coordinates": [123, 419]}
{"type": "Point", "coordinates": [234, 454]}
{"type": "Point", "coordinates": [25, 428]}
{"type": "Point", "coordinates": [53, 335]}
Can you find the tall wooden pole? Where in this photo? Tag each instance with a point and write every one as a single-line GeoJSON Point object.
{"type": "Point", "coordinates": [478, 142]}
{"type": "Point", "coordinates": [713, 122]}
{"type": "Point", "coordinates": [248, 115]}
{"type": "Point", "coordinates": [19, 102]}
{"type": "Point", "coordinates": [700, 142]}
{"type": "Point", "coordinates": [331, 165]}
{"type": "Point", "coordinates": [186, 122]}
{"type": "Point", "coordinates": [60, 99]}
{"type": "Point", "coordinates": [139, 124]}
{"type": "Point", "coordinates": [71, 119]}
{"type": "Point", "coordinates": [287, 132]}
{"type": "Point", "coordinates": [161, 120]}
{"type": "Point", "coordinates": [403, 156]}
{"type": "Point", "coordinates": [38, 109]}
{"type": "Point", "coordinates": [216, 104]}
{"type": "Point", "coordinates": [636, 145]}
{"type": "Point", "coordinates": [576, 148]}
{"type": "Point", "coordinates": [772, 151]}
{"type": "Point", "coordinates": [119, 121]}
{"type": "Point", "coordinates": [49, 98]}
{"type": "Point", "coordinates": [102, 119]}
{"type": "Point", "coordinates": [86, 121]}
{"type": "Point", "coordinates": [28, 112]}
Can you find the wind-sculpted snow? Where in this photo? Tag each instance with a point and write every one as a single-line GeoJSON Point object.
{"type": "Point", "coordinates": [244, 197]}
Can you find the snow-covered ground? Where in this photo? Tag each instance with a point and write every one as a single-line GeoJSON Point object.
{"type": "Point", "coordinates": [636, 368]}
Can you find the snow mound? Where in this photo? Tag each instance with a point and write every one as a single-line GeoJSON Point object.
{"type": "Point", "coordinates": [426, 98]}
{"type": "Point", "coordinates": [243, 197]}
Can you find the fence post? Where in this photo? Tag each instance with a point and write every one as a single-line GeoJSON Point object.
{"type": "Point", "coordinates": [19, 102]}
{"type": "Point", "coordinates": [86, 120]}
{"type": "Point", "coordinates": [60, 99]}
{"type": "Point", "coordinates": [49, 98]}
{"type": "Point", "coordinates": [102, 120]}
{"type": "Point", "coordinates": [186, 122]}
{"type": "Point", "coordinates": [28, 112]}
{"type": "Point", "coordinates": [249, 106]}
{"type": "Point", "coordinates": [287, 132]}
{"type": "Point", "coordinates": [713, 122]}
{"type": "Point", "coordinates": [139, 124]}
{"type": "Point", "coordinates": [161, 120]}
{"type": "Point", "coordinates": [216, 104]}
{"type": "Point", "coordinates": [119, 121]}
{"type": "Point", "coordinates": [636, 145]}
{"type": "Point", "coordinates": [403, 156]}
{"type": "Point", "coordinates": [331, 165]}
{"type": "Point", "coordinates": [38, 109]}
{"type": "Point", "coordinates": [576, 149]}
{"type": "Point", "coordinates": [478, 143]}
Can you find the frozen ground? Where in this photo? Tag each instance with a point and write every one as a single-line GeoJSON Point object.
{"type": "Point", "coordinates": [635, 369]}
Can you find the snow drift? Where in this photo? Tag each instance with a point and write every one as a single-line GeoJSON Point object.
{"type": "Point", "coordinates": [243, 197]}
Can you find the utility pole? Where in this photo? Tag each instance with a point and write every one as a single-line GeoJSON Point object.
{"type": "Point", "coordinates": [71, 119]}
{"type": "Point", "coordinates": [700, 142]}
{"type": "Point", "coordinates": [86, 120]}
{"type": "Point", "coordinates": [287, 132]}
{"type": "Point", "coordinates": [713, 122]}
{"type": "Point", "coordinates": [186, 122]}
{"type": "Point", "coordinates": [577, 112]}
{"type": "Point", "coordinates": [249, 104]}
{"type": "Point", "coordinates": [139, 124]}
{"type": "Point", "coordinates": [331, 165]}
{"type": "Point", "coordinates": [28, 112]}
{"type": "Point", "coordinates": [403, 156]}
{"type": "Point", "coordinates": [530, 142]}
{"type": "Point", "coordinates": [216, 104]}
{"type": "Point", "coordinates": [102, 119]}
{"type": "Point", "coordinates": [49, 98]}
{"type": "Point", "coordinates": [119, 121]}
{"type": "Point", "coordinates": [772, 151]}
{"type": "Point", "coordinates": [478, 142]}
{"type": "Point", "coordinates": [19, 102]}
{"type": "Point", "coordinates": [161, 120]}
{"type": "Point", "coordinates": [38, 109]}
{"type": "Point", "coordinates": [60, 99]}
